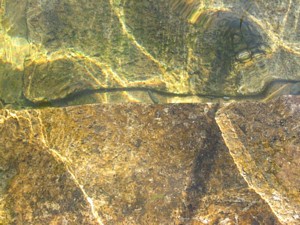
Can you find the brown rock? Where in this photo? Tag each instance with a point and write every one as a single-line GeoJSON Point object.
{"type": "Point", "coordinates": [264, 139]}
{"type": "Point", "coordinates": [35, 187]}
{"type": "Point", "coordinates": [121, 164]}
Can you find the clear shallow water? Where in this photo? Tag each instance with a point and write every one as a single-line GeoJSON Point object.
{"type": "Point", "coordinates": [137, 162]}
{"type": "Point", "coordinates": [71, 52]}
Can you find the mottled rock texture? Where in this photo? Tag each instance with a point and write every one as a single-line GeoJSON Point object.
{"type": "Point", "coordinates": [264, 142]}
{"type": "Point", "coordinates": [139, 163]}
{"type": "Point", "coordinates": [122, 164]}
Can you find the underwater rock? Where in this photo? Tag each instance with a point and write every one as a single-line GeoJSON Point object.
{"type": "Point", "coordinates": [263, 140]}
{"type": "Point", "coordinates": [10, 84]}
{"type": "Point", "coordinates": [175, 48]}
{"type": "Point", "coordinates": [121, 164]}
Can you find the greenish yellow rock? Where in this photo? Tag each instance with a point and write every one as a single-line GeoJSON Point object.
{"type": "Point", "coordinates": [173, 48]}
{"type": "Point", "coordinates": [10, 84]}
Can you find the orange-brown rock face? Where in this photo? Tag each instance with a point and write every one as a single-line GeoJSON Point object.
{"type": "Point", "coordinates": [122, 164]}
